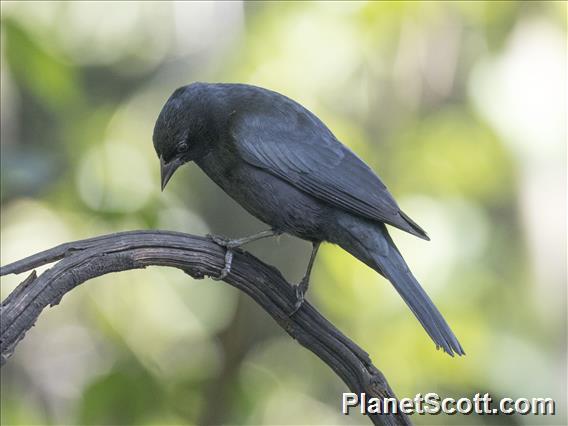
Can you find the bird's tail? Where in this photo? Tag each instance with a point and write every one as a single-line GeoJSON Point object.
{"type": "Point", "coordinates": [372, 244]}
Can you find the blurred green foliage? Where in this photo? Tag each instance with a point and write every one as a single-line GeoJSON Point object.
{"type": "Point", "coordinates": [415, 88]}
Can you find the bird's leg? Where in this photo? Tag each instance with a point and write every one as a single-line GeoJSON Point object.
{"type": "Point", "coordinates": [230, 245]}
{"type": "Point", "coordinates": [302, 288]}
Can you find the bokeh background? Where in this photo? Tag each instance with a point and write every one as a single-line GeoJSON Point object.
{"type": "Point", "coordinates": [460, 107]}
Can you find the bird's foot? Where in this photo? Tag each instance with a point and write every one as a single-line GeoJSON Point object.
{"type": "Point", "coordinates": [301, 290]}
{"type": "Point", "coordinates": [224, 241]}
{"type": "Point", "coordinates": [229, 246]}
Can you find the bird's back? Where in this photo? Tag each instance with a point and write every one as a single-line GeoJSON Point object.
{"type": "Point", "coordinates": [276, 134]}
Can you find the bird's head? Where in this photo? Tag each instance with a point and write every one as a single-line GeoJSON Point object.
{"type": "Point", "coordinates": [184, 129]}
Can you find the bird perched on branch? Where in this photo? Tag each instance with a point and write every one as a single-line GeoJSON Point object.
{"type": "Point", "coordinates": [285, 167]}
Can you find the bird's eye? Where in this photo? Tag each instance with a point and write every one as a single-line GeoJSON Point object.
{"type": "Point", "coordinates": [182, 147]}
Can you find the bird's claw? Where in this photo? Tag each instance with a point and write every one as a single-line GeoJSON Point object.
{"type": "Point", "coordinates": [229, 245]}
{"type": "Point", "coordinates": [224, 272]}
{"type": "Point", "coordinates": [223, 241]}
{"type": "Point", "coordinates": [300, 290]}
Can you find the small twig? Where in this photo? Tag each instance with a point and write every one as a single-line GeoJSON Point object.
{"type": "Point", "coordinates": [80, 261]}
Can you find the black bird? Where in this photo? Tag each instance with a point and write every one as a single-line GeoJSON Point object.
{"type": "Point", "coordinates": [285, 167]}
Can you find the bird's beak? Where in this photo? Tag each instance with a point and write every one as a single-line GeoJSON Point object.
{"type": "Point", "coordinates": [167, 170]}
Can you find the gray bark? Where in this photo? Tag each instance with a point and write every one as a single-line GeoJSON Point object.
{"type": "Point", "coordinates": [77, 262]}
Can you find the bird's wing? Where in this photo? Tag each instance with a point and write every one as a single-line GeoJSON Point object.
{"type": "Point", "coordinates": [301, 150]}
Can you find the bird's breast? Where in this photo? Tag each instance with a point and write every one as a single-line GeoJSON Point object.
{"type": "Point", "coordinates": [267, 197]}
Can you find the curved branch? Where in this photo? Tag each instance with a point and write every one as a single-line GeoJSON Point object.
{"type": "Point", "coordinates": [80, 261]}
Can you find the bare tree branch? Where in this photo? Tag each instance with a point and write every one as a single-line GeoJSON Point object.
{"type": "Point", "coordinates": [80, 261]}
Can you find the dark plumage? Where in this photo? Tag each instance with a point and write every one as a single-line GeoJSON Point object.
{"type": "Point", "coordinates": [284, 166]}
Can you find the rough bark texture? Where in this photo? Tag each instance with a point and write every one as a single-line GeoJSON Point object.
{"type": "Point", "coordinates": [80, 261]}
